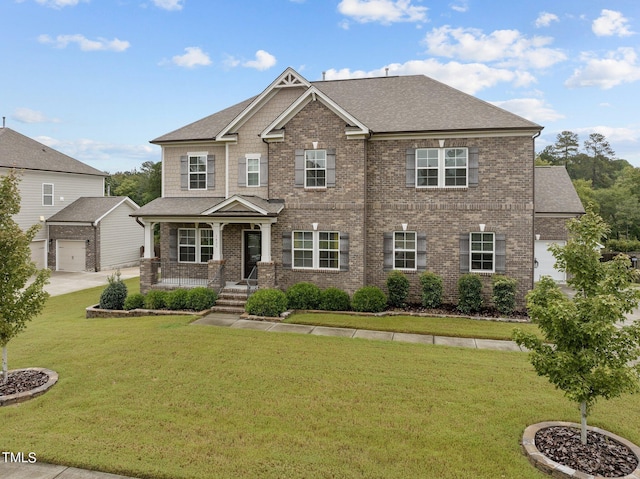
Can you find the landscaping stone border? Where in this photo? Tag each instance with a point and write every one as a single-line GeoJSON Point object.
{"type": "Point", "coordinates": [554, 469]}
{"type": "Point", "coordinates": [32, 393]}
{"type": "Point", "coordinates": [96, 312]}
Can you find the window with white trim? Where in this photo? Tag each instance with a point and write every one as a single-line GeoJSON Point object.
{"type": "Point", "coordinates": [442, 167]}
{"type": "Point", "coordinates": [482, 248]}
{"type": "Point", "coordinates": [47, 194]}
{"type": "Point", "coordinates": [195, 245]}
{"type": "Point", "coordinates": [316, 249]}
{"type": "Point", "coordinates": [197, 171]}
{"type": "Point", "coordinates": [315, 168]}
{"type": "Point", "coordinates": [404, 250]}
{"type": "Point", "coordinates": [253, 170]}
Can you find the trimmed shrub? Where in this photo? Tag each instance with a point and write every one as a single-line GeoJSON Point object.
{"type": "Point", "coordinates": [115, 294]}
{"type": "Point", "coordinates": [504, 294]}
{"type": "Point", "coordinates": [303, 296]}
{"type": "Point", "coordinates": [201, 298]}
{"type": "Point", "coordinates": [178, 299]}
{"type": "Point", "coordinates": [155, 299]}
{"type": "Point", "coordinates": [432, 289]}
{"type": "Point", "coordinates": [369, 299]}
{"type": "Point", "coordinates": [134, 301]}
{"type": "Point", "coordinates": [398, 287]}
{"type": "Point", "coordinates": [469, 293]}
{"type": "Point", "coordinates": [334, 299]}
{"type": "Point", "coordinates": [267, 302]}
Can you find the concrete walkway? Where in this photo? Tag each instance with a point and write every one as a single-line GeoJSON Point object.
{"type": "Point", "coordinates": [62, 282]}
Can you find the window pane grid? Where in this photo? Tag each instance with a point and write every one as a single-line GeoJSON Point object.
{"type": "Point", "coordinates": [404, 250]}
{"type": "Point", "coordinates": [482, 251]}
{"type": "Point", "coordinates": [316, 250]}
{"type": "Point", "coordinates": [253, 172]}
{"type": "Point", "coordinates": [198, 172]}
{"type": "Point", "coordinates": [441, 167]}
{"type": "Point", "coordinates": [315, 168]}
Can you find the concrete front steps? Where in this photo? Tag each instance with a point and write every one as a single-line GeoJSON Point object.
{"type": "Point", "coordinates": [232, 299]}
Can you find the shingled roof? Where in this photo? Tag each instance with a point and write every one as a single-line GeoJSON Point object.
{"type": "Point", "coordinates": [395, 104]}
{"type": "Point", "coordinates": [89, 209]}
{"type": "Point", "coordinates": [554, 192]}
{"type": "Point", "coordinates": [19, 151]}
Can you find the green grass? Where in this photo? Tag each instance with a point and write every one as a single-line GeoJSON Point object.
{"type": "Point", "coordinates": [454, 327]}
{"type": "Point", "coordinates": [156, 397]}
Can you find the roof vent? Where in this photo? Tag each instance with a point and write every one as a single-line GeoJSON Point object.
{"type": "Point", "coordinates": [386, 72]}
{"type": "Point", "coordinates": [324, 76]}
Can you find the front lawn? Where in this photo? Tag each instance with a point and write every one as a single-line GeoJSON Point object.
{"type": "Point", "coordinates": [155, 397]}
{"type": "Point", "coordinates": [453, 327]}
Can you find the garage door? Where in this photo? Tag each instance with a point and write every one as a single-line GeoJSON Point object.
{"type": "Point", "coordinates": [546, 261]}
{"type": "Point", "coordinates": [38, 254]}
{"type": "Point", "coordinates": [71, 255]}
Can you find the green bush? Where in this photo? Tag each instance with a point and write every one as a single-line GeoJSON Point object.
{"type": "Point", "coordinates": [431, 285]}
{"type": "Point", "coordinates": [134, 301]}
{"type": "Point", "coordinates": [115, 294]}
{"type": "Point", "coordinates": [334, 299]}
{"type": "Point", "coordinates": [201, 298]}
{"type": "Point", "coordinates": [369, 299]}
{"type": "Point", "coordinates": [398, 287]}
{"type": "Point", "coordinates": [155, 299]}
{"type": "Point", "coordinates": [303, 296]}
{"type": "Point", "coordinates": [504, 294]}
{"type": "Point", "coordinates": [178, 299]}
{"type": "Point", "coordinates": [469, 293]}
{"type": "Point", "coordinates": [623, 245]}
{"type": "Point", "coordinates": [267, 302]}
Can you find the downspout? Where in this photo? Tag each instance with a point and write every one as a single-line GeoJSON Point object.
{"type": "Point", "coordinates": [95, 248]}
{"type": "Point", "coordinates": [226, 170]}
{"type": "Point", "coordinates": [533, 223]}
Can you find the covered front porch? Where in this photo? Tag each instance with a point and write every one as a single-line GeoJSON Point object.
{"type": "Point", "coordinates": [228, 243]}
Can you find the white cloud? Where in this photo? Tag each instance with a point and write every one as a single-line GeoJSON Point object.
{"type": "Point", "coordinates": [619, 66]}
{"type": "Point", "coordinates": [264, 60]}
{"type": "Point", "coordinates": [57, 4]}
{"type": "Point", "coordinates": [532, 109]}
{"type": "Point", "coordinates": [461, 7]}
{"type": "Point", "coordinates": [613, 134]}
{"type": "Point", "coordinates": [545, 19]}
{"type": "Point", "coordinates": [193, 57]}
{"type": "Point", "coordinates": [505, 47]}
{"type": "Point", "coordinates": [611, 23]}
{"type": "Point", "coordinates": [383, 11]}
{"type": "Point", "coordinates": [169, 4]}
{"type": "Point", "coordinates": [470, 77]}
{"type": "Point", "coordinates": [86, 45]}
{"type": "Point", "coordinates": [27, 115]}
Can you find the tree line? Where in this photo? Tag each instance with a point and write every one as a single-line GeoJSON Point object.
{"type": "Point", "coordinates": [610, 184]}
{"type": "Point", "coordinates": [142, 186]}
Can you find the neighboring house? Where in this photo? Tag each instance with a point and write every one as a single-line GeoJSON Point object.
{"type": "Point", "coordinates": [340, 182]}
{"type": "Point", "coordinates": [95, 234]}
{"type": "Point", "coordinates": [556, 202]}
{"type": "Point", "coordinates": [50, 182]}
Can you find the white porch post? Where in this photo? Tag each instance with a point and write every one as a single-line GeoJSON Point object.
{"type": "Point", "coordinates": [265, 228]}
{"type": "Point", "coordinates": [217, 240]}
{"type": "Point", "coordinates": [148, 240]}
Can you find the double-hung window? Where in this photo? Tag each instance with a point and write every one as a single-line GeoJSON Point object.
{"type": "Point", "coordinates": [195, 245]}
{"type": "Point", "coordinates": [315, 168]}
{"type": "Point", "coordinates": [404, 250]}
{"type": "Point", "coordinates": [47, 194]}
{"type": "Point", "coordinates": [483, 251]}
{"type": "Point", "coordinates": [253, 171]}
{"type": "Point", "coordinates": [197, 171]}
{"type": "Point", "coordinates": [441, 167]}
{"type": "Point", "coordinates": [316, 249]}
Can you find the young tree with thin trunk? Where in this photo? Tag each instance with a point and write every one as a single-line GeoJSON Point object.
{"type": "Point", "coordinates": [586, 351]}
{"type": "Point", "coordinates": [19, 302]}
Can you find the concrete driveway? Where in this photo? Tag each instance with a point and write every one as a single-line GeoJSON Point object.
{"type": "Point", "coordinates": [62, 282]}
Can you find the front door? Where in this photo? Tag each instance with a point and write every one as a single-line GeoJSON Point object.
{"type": "Point", "coordinates": [252, 251]}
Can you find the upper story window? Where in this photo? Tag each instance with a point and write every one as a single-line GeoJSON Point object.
{"type": "Point", "coordinates": [441, 167]}
{"type": "Point", "coordinates": [197, 171]}
{"type": "Point", "coordinates": [316, 249]}
{"type": "Point", "coordinates": [483, 250]}
{"type": "Point", "coordinates": [47, 194]}
{"type": "Point", "coordinates": [253, 170]}
{"type": "Point", "coordinates": [404, 250]}
{"type": "Point", "coordinates": [315, 168]}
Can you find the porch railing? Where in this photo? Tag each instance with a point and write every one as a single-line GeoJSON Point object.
{"type": "Point", "coordinates": [175, 274]}
{"type": "Point", "coordinates": [252, 281]}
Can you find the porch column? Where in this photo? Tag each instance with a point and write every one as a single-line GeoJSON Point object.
{"type": "Point", "coordinates": [148, 240]}
{"type": "Point", "coordinates": [265, 228]}
{"type": "Point", "coordinates": [217, 240]}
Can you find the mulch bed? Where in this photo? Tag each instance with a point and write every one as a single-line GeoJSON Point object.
{"type": "Point", "coordinates": [600, 456]}
{"type": "Point", "coordinates": [21, 381]}
{"type": "Point", "coordinates": [451, 310]}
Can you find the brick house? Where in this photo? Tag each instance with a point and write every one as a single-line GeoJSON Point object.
{"type": "Point", "coordinates": [340, 182]}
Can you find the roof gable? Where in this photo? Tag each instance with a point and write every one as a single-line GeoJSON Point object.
{"type": "Point", "coordinates": [554, 191]}
{"type": "Point", "coordinates": [91, 209]}
{"type": "Point", "coordinates": [20, 151]}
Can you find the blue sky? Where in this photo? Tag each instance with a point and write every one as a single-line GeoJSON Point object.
{"type": "Point", "coordinates": [98, 79]}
